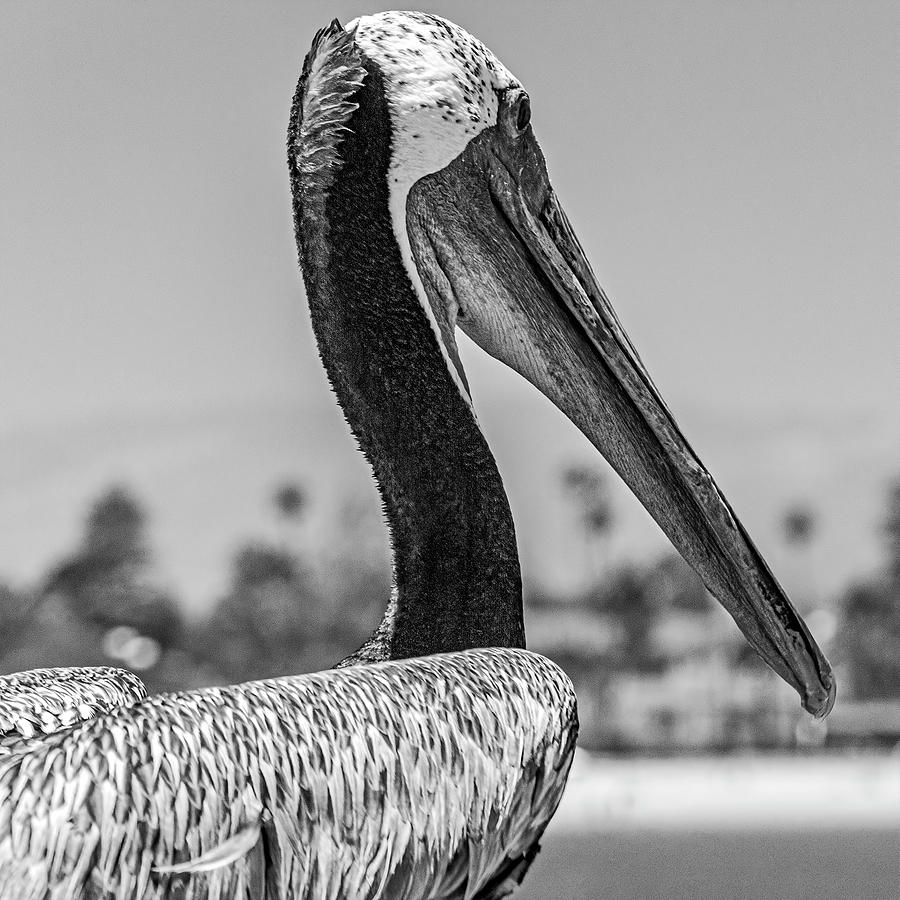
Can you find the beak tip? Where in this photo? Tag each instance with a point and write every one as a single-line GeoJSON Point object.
{"type": "Point", "coordinates": [819, 703]}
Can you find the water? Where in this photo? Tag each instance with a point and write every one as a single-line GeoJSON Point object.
{"type": "Point", "coordinates": [721, 865]}
{"type": "Point", "coordinates": [724, 828]}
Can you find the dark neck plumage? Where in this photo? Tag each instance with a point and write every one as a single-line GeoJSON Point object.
{"type": "Point", "coordinates": [457, 582]}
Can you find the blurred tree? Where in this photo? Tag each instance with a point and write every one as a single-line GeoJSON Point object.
{"type": "Point", "coordinates": [17, 610]}
{"type": "Point", "coordinates": [869, 637]}
{"type": "Point", "coordinates": [269, 619]}
{"type": "Point", "coordinates": [280, 617]}
{"type": "Point", "coordinates": [627, 593]}
{"type": "Point", "coordinates": [114, 532]}
{"type": "Point", "coordinates": [289, 500]}
{"type": "Point", "coordinates": [112, 544]}
{"type": "Point", "coordinates": [586, 486]}
{"type": "Point", "coordinates": [50, 635]}
{"type": "Point", "coordinates": [675, 585]}
{"type": "Point", "coordinates": [106, 581]}
{"type": "Point", "coordinates": [799, 528]}
{"type": "Point", "coordinates": [799, 525]}
{"type": "Point", "coordinates": [257, 565]}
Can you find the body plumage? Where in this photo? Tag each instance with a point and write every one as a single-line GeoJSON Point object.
{"type": "Point", "coordinates": [309, 786]}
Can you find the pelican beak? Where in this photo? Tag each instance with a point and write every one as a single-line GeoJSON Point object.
{"type": "Point", "coordinates": [495, 247]}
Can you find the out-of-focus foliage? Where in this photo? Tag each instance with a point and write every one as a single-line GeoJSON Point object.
{"type": "Point", "coordinates": [624, 594]}
{"type": "Point", "coordinates": [870, 629]}
{"type": "Point", "coordinates": [289, 499]}
{"type": "Point", "coordinates": [588, 488]}
{"type": "Point", "coordinates": [799, 525]}
{"type": "Point", "coordinates": [107, 581]}
{"type": "Point", "coordinates": [100, 605]}
{"type": "Point", "coordinates": [269, 619]}
{"type": "Point", "coordinates": [657, 665]}
{"type": "Point", "coordinates": [17, 610]}
{"type": "Point", "coordinates": [870, 638]}
{"type": "Point", "coordinates": [677, 586]}
{"type": "Point", "coordinates": [585, 488]}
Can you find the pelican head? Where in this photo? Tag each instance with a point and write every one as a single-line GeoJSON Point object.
{"type": "Point", "coordinates": [483, 244]}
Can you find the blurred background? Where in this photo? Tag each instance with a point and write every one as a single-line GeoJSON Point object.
{"type": "Point", "coordinates": [179, 492]}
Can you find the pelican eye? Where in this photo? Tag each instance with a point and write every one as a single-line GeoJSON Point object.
{"type": "Point", "coordinates": [523, 113]}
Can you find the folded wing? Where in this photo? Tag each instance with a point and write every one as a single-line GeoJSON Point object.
{"type": "Point", "coordinates": [413, 778]}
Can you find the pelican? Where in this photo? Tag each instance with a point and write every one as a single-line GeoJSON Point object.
{"type": "Point", "coordinates": [429, 762]}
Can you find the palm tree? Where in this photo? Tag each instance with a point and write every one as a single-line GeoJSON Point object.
{"type": "Point", "coordinates": [799, 528]}
{"type": "Point", "coordinates": [799, 525]}
{"type": "Point", "coordinates": [289, 500]}
{"type": "Point", "coordinates": [586, 486]}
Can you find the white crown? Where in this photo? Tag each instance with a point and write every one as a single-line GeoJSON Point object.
{"type": "Point", "coordinates": [441, 86]}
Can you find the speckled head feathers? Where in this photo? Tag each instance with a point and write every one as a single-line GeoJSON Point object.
{"type": "Point", "coordinates": [441, 84]}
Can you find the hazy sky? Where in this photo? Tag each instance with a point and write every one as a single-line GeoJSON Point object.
{"type": "Point", "coordinates": [731, 169]}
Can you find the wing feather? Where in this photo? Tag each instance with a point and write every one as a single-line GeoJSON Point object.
{"type": "Point", "coordinates": [224, 854]}
{"type": "Point", "coordinates": [415, 779]}
{"type": "Point", "coordinates": [41, 701]}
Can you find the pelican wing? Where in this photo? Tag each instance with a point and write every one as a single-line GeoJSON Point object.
{"type": "Point", "coordinates": [41, 701]}
{"type": "Point", "coordinates": [414, 778]}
